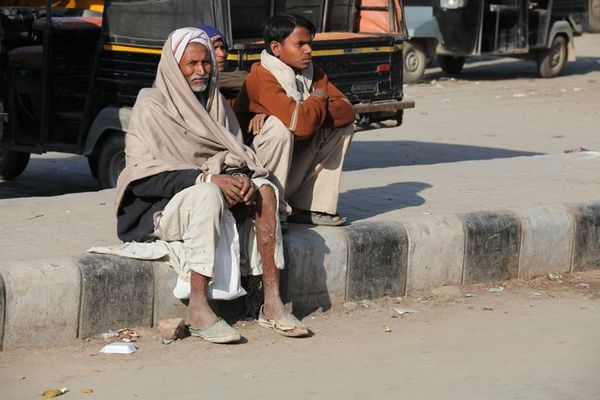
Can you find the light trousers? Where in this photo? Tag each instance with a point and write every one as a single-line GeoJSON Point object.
{"type": "Point", "coordinates": [190, 227]}
{"type": "Point", "coordinates": [307, 172]}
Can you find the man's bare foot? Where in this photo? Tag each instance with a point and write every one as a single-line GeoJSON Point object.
{"type": "Point", "coordinates": [273, 308]}
{"type": "Point", "coordinates": [200, 316]}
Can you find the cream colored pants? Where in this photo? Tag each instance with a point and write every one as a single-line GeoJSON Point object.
{"type": "Point", "coordinates": [190, 227]}
{"type": "Point", "coordinates": [307, 172]}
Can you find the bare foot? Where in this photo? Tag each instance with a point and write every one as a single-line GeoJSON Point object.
{"type": "Point", "coordinates": [274, 308]}
{"type": "Point", "coordinates": [200, 316]}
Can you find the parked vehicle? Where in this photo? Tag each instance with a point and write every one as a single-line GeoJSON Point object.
{"type": "Point", "coordinates": [69, 77]}
{"type": "Point", "coordinates": [594, 16]}
{"type": "Point", "coordinates": [541, 30]}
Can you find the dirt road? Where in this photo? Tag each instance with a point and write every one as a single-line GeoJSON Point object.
{"type": "Point", "coordinates": [533, 340]}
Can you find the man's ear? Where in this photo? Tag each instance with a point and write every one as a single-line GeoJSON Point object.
{"type": "Point", "coordinates": [275, 48]}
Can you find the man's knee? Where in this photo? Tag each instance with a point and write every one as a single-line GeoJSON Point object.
{"type": "Point", "coordinates": [276, 133]}
{"type": "Point", "coordinates": [207, 196]}
{"type": "Point", "coordinates": [267, 193]}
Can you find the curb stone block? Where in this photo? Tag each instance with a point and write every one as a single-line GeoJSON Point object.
{"type": "Point", "coordinates": [586, 245]}
{"type": "Point", "coordinates": [117, 292]}
{"type": "Point", "coordinates": [377, 260]}
{"type": "Point", "coordinates": [2, 311]}
{"type": "Point", "coordinates": [436, 249]}
{"type": "Point", "coordinates": [41, 302]}
{"type": "Point", "coordinates": [166, 306]}
{"type": "Point", "coordinates": [546, 241]}
{"type": "Point", "coordinates": [491, 246]}
{"type": "Point", "coordinates": [316, 264]}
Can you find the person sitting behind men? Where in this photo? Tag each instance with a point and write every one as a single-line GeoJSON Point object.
{"type": "Point", "coordinates": [182, 143]}
{"type": "Point", "coordinates": [230, 79]}
{"type": "Point", "coordinates": [299, 124]}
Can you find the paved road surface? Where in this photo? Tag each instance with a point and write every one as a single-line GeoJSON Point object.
{"type": "Point", "coordinates": [495, 109]}
{"type": "Point", "coordinates": [533, 341]}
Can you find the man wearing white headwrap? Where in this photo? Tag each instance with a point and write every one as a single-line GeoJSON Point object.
{"type": "Point", "coordinates": [186, 165]}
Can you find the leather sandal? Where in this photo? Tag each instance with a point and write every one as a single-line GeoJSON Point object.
{"type": "Point", "coordinates": [219, 332]}
{"type": "Point", "coordinates": [288, 325]}
{"type": "Point", "coordinates": [299, 216]}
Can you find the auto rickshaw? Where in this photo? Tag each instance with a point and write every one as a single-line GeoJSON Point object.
{"type": "Point", "coordinates": [540, 30]}
{"type": "Point", "coordinates": [70, 71]}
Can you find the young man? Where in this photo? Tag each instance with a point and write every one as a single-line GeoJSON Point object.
{"type": "Point", "coordinates": [299, 124]}
{"type": "Point", "coordinates": [230, 80]}
{"type": "Point", "coordinates": [182, 146]}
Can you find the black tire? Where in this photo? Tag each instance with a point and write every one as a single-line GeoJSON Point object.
{"type": "Point", "coordinates": [414, 63]}
{"type": "Point", "coordinates": [450, 64]}
{"type": "Point", "coordinates": [111, 159]}
{"type": "Point", "coordinates": [399, 117]}
{"type": "Point", "coordinates": [12, 163]}
{"type": "Point", "coordinates": [594, 16]}
{"type": "Point", "coordinates": [551, 61]}
{"type": "Point", "coordinates": [93, 164]}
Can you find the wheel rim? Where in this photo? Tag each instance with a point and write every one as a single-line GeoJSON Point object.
{"type": "Point", "coordinates": [411, 61]}
{"type": "Point", "coordinates": [556, 55]}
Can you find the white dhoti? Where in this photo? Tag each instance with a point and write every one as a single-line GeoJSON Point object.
{"type": "Point", "coordinates": [188, 237]}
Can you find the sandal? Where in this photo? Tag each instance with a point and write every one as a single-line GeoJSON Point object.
{"type": "Point", "coordinates": [288, 325]}
{"type": "Point", "coordinates": [219, 332]}
{"type": "Point", "coordinates": [299, 216]}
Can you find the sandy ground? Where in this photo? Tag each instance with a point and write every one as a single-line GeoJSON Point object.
{"type": "Point", "coordinates": [534, 340]}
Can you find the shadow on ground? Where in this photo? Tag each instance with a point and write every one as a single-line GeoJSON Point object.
{"type": "Point", "coordinates": [368, 202]}
{"type": "Point", "coordinates": [51, 177]}
{"type": "Point", "coordinates": [492, 69]}
{"type": "Point", "coordinates": [383, 154]}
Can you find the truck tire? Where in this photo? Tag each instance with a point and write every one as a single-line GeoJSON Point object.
{"type": "Point", "coordinates": [594, 16]}
{"type": "Point", "coordinates": [415, 62]}
{"type": "Point", "coordinates": [12, 163]}
{"type": "Point", "coordinates": [111, 159]}
{"type": "Point", "coordinates": [399, 117]}
{"type": "Point", "coordinates": [450, 64]}
{"type": "Point", "coordinates": [551, 61]}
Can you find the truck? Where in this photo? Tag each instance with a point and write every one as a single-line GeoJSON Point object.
{"type": "Point", "coordinates": [452, 30]}
{"type": "Point", "coordinates": [70, 71]}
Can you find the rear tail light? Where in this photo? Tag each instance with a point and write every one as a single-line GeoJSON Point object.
{"type": "Point", "coordinates": [383, 68]}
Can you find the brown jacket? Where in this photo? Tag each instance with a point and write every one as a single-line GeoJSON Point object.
{"type": "Point", "coordinates": [262, 94]}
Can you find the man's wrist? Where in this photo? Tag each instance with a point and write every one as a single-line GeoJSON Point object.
{"type": "Point", "coordinates": [204, 177]}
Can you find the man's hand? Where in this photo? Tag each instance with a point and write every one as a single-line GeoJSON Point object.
{"type": "Point", "coordinates": [236, 188]}
{"type": "Point", "coordinates": [320, 92]}
{"type": "Point", "coordinates": [256, 123]}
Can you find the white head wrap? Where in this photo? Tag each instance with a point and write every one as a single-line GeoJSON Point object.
{"type": "Point", "coordinates": [184, 36]}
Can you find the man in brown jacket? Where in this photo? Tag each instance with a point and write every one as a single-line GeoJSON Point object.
{"type": "Point", "coordinates": [298, 123]}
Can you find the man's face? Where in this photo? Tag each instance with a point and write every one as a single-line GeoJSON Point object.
{"type": "Point", "coordinates": [220, 53]}
{"type": "Point", "coordinates": [296, 50]}
{"type": "Point", "coordinates": [196, 66]}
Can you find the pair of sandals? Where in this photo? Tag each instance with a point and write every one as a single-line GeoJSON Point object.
{"type": "Point", "coordinates": [300, 216]}
{"type": "Point", "coordinates": [221, 332]}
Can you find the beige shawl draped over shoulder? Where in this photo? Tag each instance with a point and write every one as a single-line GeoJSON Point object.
{"type": "Point", "coordinates": [170, 130]}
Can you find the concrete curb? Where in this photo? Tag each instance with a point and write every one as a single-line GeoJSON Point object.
{"type": "Point", "coordinates": [50, 301]}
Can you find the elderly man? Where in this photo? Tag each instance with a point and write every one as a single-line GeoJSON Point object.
{"type": "Point", "coordinates": [309, 122]}
{"type": "Point", "coordinates": [186, 165]}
